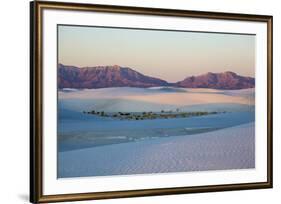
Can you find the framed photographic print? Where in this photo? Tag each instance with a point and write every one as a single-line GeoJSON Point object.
{"type": "Point", "coordinates": [131, 101]}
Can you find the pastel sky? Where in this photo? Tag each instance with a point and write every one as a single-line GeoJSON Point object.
{"type": "Point", "coordinates": [169, 55]}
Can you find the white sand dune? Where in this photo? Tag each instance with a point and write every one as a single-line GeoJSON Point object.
{"type": "Point", "coordinates": [200, 96]}
{"type": "Point", "coordinates": [153, 99]}
{"type": "Point", "coordinates": [230, 148]}
{"type": "Point", "coordinates": [183, 99]}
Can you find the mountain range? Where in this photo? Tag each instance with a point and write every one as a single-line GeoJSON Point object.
{"type": "Point", "coordinates": [117, 76]}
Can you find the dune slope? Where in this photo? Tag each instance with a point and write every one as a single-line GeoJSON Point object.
{"type": "Point", "coordinates": [230, 148]}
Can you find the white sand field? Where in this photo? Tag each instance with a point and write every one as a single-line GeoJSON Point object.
{"type": "Point", "coordinates": [230, 148]}
{"type": "Point", "coordinates": [90, 145]}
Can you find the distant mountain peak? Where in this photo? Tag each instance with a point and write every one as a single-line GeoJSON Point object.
{"type": "Point", "coordinates": [230, 73]}
{"type": "Point", "coordinates": [224, 80]}
{"type": "Point", "coordinates": [116, 66]}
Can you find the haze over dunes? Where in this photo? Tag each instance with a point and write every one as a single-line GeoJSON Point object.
{"type": "Point", "coordinates": [117, 76]}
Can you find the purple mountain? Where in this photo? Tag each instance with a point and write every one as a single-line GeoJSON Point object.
{"type": "Point", "coordinates": [225, 80]}
{"type": "Point", "coordinates": [104, 76]}
{"type": "Point", "coordinates": [117, 76]}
